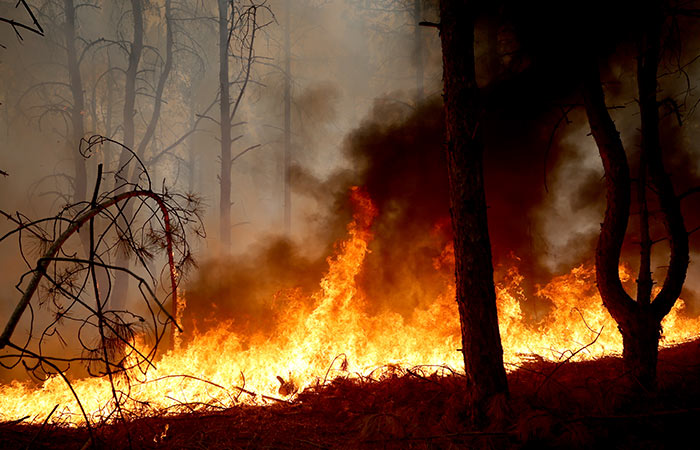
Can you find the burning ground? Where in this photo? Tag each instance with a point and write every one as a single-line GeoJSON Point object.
{"type": "Point", "coordinates": [554, 405]}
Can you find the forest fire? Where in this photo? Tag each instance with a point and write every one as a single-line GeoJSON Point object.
{"type": "Point", "coordinates": [349, 224]}
{"type": "Point", "coordinates": [337, 337]}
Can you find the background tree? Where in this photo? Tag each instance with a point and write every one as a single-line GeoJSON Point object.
{"type": "Point", "coordinates": [62, 95]}
{"type": "Point", "coordinates": [400, 20]}
{"type": "Point", "coordinates": [237, 29]}
{"type": "Point", "coordinates": [476, 297]}
{"type": "Point", "coordinates": [134, 52]}
{"type": "Point", "coordinates": [78, 109]}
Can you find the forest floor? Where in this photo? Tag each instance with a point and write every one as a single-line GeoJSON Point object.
{"type": "Point", "coordinates": [564, 405]}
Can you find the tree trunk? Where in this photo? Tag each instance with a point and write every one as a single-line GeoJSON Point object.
{"type": "Point", "coordinates": [121, 281]}
{"type": "Point", "coordinates": [418, 49]}
{"type": "Point", "coordinates": [78, 110]}
{"type": "Point", "coordinates": [192, 159]}
{"type": "Point", "coordinates": [669, 203]}
{"type": "Point", "coordinates": [640, 321]}
{"type": "Point", "coordinates": [476, 298]}
{"type": "Point", "coordinates": [287, 119]}
{"type": "Point", "coordinates": [225, 126]}
{"type": "Point", "coordinates": [639, 327]}
{"type": "Point", "coordinates": [640, 341]}
{"type": "Point", "coordinates": [135, 50]}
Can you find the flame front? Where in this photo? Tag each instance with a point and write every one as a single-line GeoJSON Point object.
{"type": "Point", "coordinates": [339, 337]}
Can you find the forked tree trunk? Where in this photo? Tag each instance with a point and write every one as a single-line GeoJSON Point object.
{"type": "Point", "coordinates": [639, 326]}
{"type": "Point", "coordinates": [476, 297]}
{"type": "Point", "coordinates": [639, 321]}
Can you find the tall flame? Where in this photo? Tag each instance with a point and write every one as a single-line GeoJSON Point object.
{"type": "Point", "coordinates": [339, 337]}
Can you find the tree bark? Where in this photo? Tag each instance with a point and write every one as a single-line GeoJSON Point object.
{"type": "Point", "coordinates": [476, 298]}
{"type": "Point", "coordinates": [640, 342]}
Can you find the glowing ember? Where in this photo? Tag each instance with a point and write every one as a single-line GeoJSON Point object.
{"type": "Point", "coordinates": [338, 337]}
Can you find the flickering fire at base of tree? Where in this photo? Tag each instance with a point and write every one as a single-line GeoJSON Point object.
{"type": "Point", "coordinates": [337, 337]}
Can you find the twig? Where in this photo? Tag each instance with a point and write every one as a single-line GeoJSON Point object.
{"type": "Point", "coordinates": [567, 360]}
{"type": "Point", "coordinates": [312, 443]}
{"type": "Point", "coordinates": [41, 428]}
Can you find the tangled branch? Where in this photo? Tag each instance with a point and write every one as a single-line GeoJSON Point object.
{"type": "Point", "coordinates": [72, 275]}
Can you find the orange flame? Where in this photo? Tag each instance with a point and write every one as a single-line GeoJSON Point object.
{"type": "Point", "coordinates": [338, 337]}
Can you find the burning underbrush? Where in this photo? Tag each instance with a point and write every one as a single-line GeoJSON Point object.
{"type": "Point", "coordinates": [554, 405]}
{"type": "Point", "coordinates": [324, 346]}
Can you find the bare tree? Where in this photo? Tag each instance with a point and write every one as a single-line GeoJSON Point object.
{"type": "Point", "coordinates": [77, 111]}
{"type": "Point", "coordinates": [238, 25]}
{"type": "Point", "coordinates": [63, 96]}
{"type": "Point", "coordinates": [135, 56]}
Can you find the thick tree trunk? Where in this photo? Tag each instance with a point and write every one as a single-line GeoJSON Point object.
{"type": "Point", "coordinates": [225, 126]}
{"type": "Point", "coordinates": [476, 298]}
{"type": "Point", "coordinates": [640, 340]}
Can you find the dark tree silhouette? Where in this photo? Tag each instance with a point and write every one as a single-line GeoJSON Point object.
{"type": "Point", "coordinates": [639, 321]}
{"type": "Point", "coordinates": [476, 297]}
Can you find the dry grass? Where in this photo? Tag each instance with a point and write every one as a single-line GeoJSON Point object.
{"type": "Point", "coordinates": [569, 405]}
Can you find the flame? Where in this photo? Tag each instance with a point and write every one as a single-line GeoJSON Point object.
{"type": "Point", "coordinates": [337, 336]}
